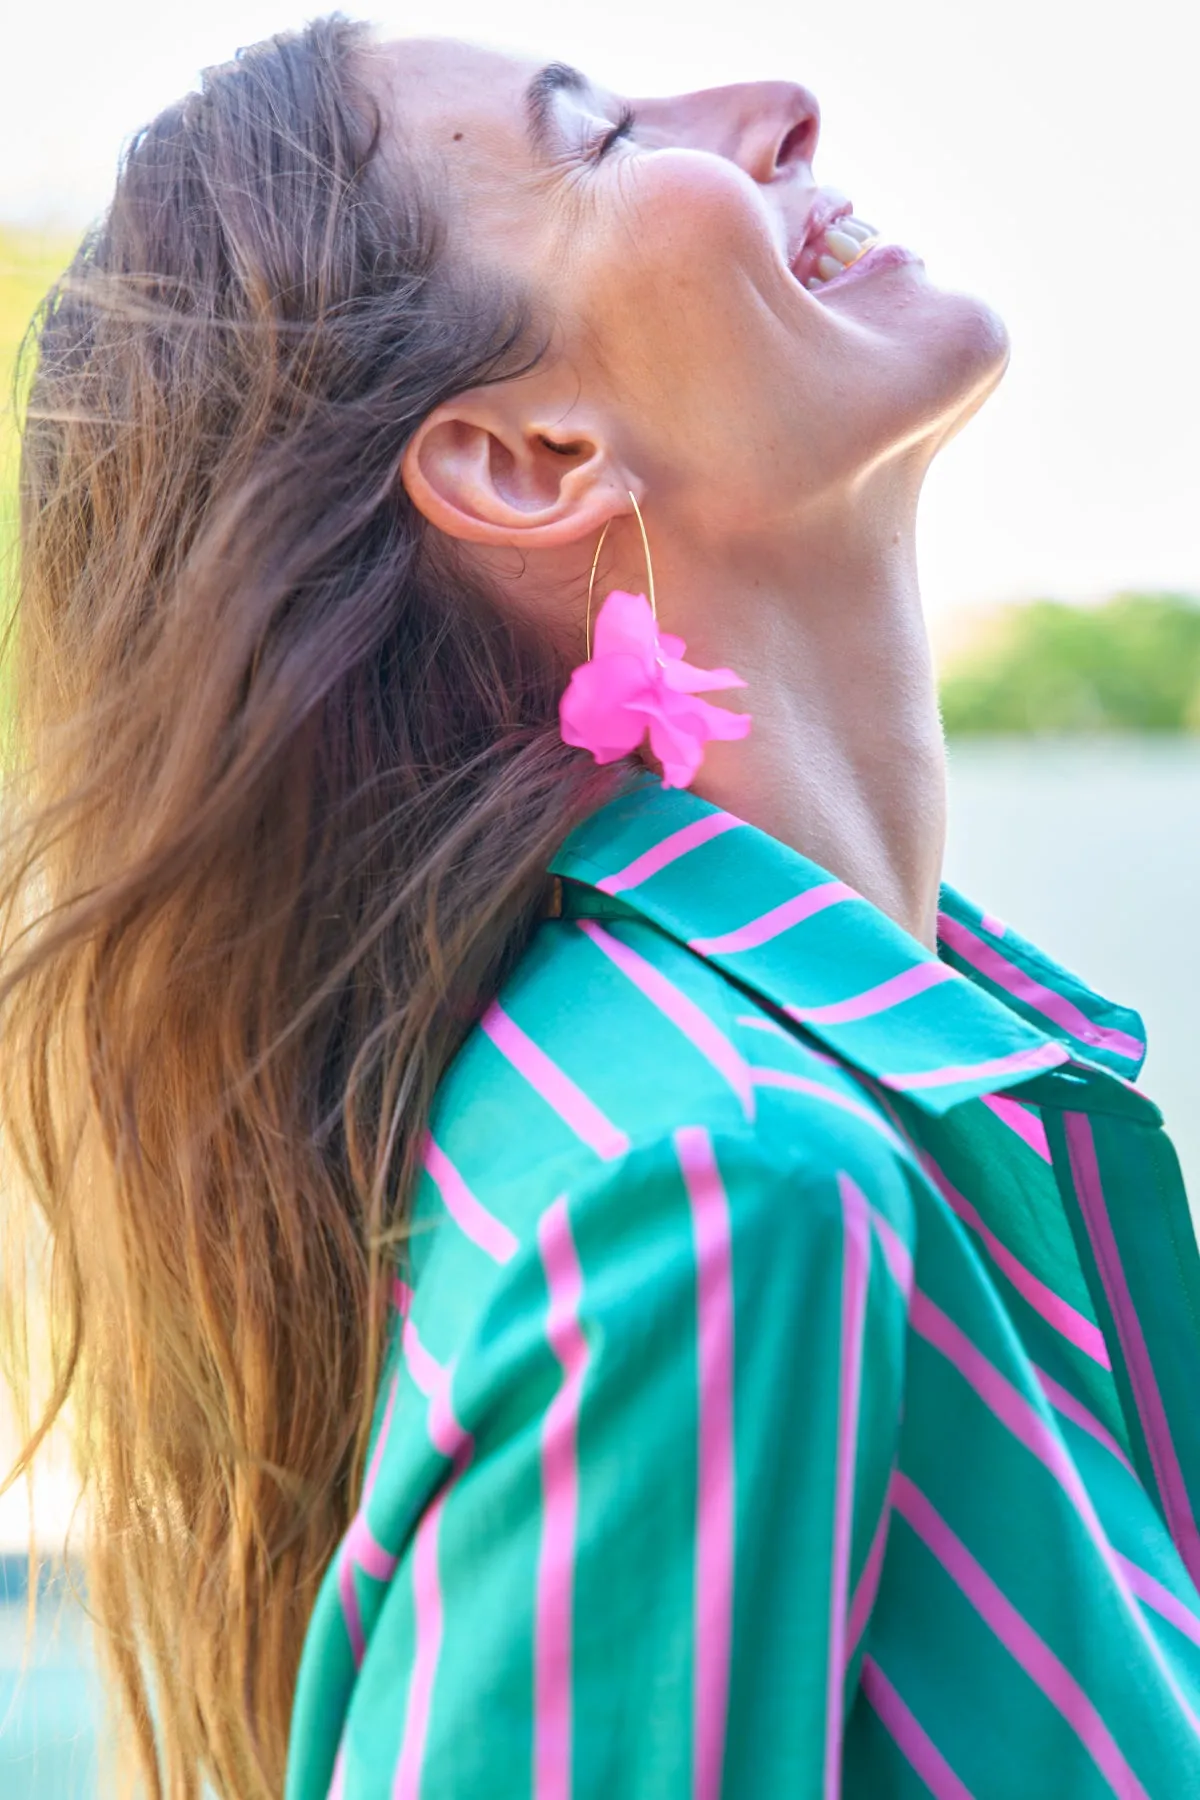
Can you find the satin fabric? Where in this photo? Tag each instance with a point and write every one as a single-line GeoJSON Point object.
{"type": "Point", "coordinates": [793, 1381]}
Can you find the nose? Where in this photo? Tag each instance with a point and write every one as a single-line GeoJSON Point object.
{"type": "Point", "coordinates": [777, 124]}
{"type": "Point", "coordinates": [768, 128]}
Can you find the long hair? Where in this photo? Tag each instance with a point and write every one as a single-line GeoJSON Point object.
{"type": "Point", "coordinates": [282, 792]}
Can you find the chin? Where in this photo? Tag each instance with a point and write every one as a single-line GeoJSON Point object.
{"type": "Point", "coordinates": [983, 335]}
{"type": "Point", "coordinates": [966, 352]}
{"type": "Point", "coordinates": [971, 335]}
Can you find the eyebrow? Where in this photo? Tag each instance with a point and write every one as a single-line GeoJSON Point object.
{"type": "Point", "coordinates": [555, 78]}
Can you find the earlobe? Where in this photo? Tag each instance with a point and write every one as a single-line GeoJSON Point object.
{"type": "Point", "coordinates": [481, 478]}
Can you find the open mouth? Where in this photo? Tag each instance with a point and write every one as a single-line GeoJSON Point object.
{"type": "Point", "coordinates": [833, 250]}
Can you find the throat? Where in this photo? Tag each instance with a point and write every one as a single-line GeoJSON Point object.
{"type": "Point", "coordinates": [846, 763]}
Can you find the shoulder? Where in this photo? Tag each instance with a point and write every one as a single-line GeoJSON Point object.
{"type": "Point", "coordinates": [640, 1269]}
{"type": "Point", "coordinates": [612, 1065]}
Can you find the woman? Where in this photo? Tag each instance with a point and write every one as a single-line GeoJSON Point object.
{"type": "Point", "coordinates": [584, 1269]}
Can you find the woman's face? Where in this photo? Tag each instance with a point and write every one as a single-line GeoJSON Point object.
{"type": "Point", "coordinates": [669, 250]}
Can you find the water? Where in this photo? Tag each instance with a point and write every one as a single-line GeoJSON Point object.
{"type": "Point", "coordinates": [1092, 849]}
{"type": "Point", "coordinates": [48, 1715]}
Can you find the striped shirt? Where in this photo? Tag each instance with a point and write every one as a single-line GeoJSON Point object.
{"type": "Point", "coordinates": [794, 1383]}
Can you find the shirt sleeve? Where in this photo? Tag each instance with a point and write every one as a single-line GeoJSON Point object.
{"type": "Point", "coordinates": [667, 1448]}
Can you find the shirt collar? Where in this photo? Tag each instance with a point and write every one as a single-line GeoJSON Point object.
{"type": "Point", "coordinates": [987, 1012]}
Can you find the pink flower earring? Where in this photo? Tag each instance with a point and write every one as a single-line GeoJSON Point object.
{"type": "Point", "coordinates": [636, 681]}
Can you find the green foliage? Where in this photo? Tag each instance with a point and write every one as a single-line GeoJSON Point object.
{"type": "Point", "coordinates": [1132, 664]}
{"type": "Point", "coordinates": [29, 262]}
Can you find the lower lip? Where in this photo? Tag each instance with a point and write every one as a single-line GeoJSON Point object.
{"type": "Point", "coordinates": [879, 257]}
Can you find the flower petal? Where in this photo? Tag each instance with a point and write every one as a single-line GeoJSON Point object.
{"type": "Point", "coordinates": [681, 728]}
{"type": "Point", "coordinates": [625, 626]}
{"type": "Point", "coordinates": [679, 751]}
{"type": "Point", "coordinates": [636, 681]}
{"type": "Point", "coordinates": [685, 678]}
{"type": "Point", "coordinates": [600, 709]}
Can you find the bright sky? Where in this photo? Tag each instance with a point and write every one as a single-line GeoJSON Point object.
{"type": "Point", "coordinates": [1041, 153]}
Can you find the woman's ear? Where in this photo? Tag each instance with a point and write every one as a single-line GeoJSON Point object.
{"type": "Point", "coordinates": [485, 473]}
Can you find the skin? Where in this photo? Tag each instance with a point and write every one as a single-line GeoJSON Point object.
{"type": "Point", "coordinates": [776, 439]}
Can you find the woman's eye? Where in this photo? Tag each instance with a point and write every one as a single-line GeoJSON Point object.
{"type": "Point", "coordinates": [622, 129]}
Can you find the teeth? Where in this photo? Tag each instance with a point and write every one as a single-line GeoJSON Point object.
{"type": "Point", "coordinates": [843, 244]}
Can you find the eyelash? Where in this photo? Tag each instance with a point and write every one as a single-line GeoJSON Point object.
{"type": "Point", "coordinates": [621, 129]}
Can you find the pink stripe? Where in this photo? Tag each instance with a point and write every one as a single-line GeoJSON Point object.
{"type": "Point", "coordinates": [772, 924]}
{"type": "Point", "coordinates": [433, 1380]}
{"type": "Point", "coordinates": [554, 1603]}
{"type": "Point", "coordinates": [425, 1370]}
{"type": "Point", "coordinates": [992, 925]}
{"type": "Point", "coordinates": [1057, 1312]}
{"type": "Point", "coordinates": [1164, 1602]}
{"type": "Point", "coordinates": [801, 1084]}
{"type": "Point", "coordinates": [998, 1394]}
{"type": "Point", "coordinates": [556, 1088]}
{"type": "Point", "coordinates": [351, 1612]}
{"type": "Point", "coordinates": [469, 1214]}
{"type": "Point", "coordinates": [445, 1432]}
{"type": "Point", "coordinates": [1085, 1171]}
{"type": "Point", "coordinates": [366, 1552]}
{"type": "Point", "coordinates": [896, 1252]}
{"type": "Point", "coordinates": [1042, 999]}
{"type": "Point", "coordinates": [450, 1440]}
{"type": "Point", "coordinates": [1066, 1319]}
{"type": "Point", "coordinates": [1041, 1056]}
{"type": "Point", "coordinates": [337, 1787]}
{"type": "Point", "coordinates": [447, 1437]}
{"type": "Point", "coordinates": [715, 1528]}
{"type": "Point", "coordinates": [911, 1739]}
{"type": "Point", "coordinates": [1018, 1118]}
{"type": "Point", "coordinates": [385, 1428]}
{"type": "Point", "coordinates": [880, 998]}
{"type": "Point", "coordinates": [868, 1583]}
{"type": "Point", "coordinates": [756, 1022]}
{"type": "Point", "coordinates": [402, 1296]}
{"type": "Point", "coordinates": [1033, 1654]}
{"type": "Point", "coordinates": [667, 850]}
{"type": "Point", "coordinates": [360, 1547]}
{"type": "Point", "coordinates": [427, 1607]}
{"type": "Point", "coordinates": [1029, 1427]}
{"type": "Point", "coordinates": [683, 1013]}
{"type": "Point", "coordinates": [856, 1268]}
{"type": "Point", "coordinates": [1073, 1409]}
{"type": "Point", "coordinates": [898, 1258]}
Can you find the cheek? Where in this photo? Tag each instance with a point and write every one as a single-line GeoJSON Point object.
{"type": "Point", "coordinates": [681, 267]}
{"type": "Point", "coordinates": [689, 221]}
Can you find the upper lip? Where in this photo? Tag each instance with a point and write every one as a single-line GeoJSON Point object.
{"type": "Point", "coordinates": [825, 210]}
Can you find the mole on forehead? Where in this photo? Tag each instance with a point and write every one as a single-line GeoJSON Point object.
{"type": "Point", "coordinates": [535, 98]}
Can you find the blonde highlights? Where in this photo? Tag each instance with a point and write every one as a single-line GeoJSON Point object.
{"type": "Point", "coordinates": [281, 793]}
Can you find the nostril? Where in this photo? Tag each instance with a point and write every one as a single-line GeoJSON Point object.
{"type": "Point", "coordinates": [795, 146]}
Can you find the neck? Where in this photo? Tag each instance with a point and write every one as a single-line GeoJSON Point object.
{"type": "Point", "coordinates": [845, 761]}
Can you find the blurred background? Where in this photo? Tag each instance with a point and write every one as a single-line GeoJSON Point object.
{"type": "Point", "coordinates": [1042, 155]}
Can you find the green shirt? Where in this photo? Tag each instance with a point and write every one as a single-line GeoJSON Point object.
{"type": "Point", "coordinates": [794, 1389]}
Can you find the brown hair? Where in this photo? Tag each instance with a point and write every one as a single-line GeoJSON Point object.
{"type": "Point", "coordinates": [283, 794]}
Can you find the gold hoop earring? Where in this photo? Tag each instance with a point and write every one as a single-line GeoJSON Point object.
{"type": "Point", "coordinates": [596, 563]}
{"type": "Point", "coordinates": [640, 684]}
